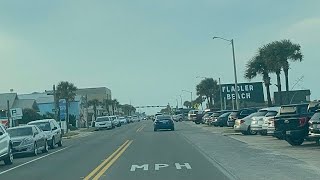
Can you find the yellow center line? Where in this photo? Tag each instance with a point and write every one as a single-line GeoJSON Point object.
{"type": "Point", "coordinates": [111, 162]}
{"type": "Point", "coordinates": [140, 128]}
{"type": "Point", "coordinates": [105, 161]}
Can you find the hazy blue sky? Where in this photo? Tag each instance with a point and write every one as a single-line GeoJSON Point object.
{"type": "Point", "coordinates": [148, 51]}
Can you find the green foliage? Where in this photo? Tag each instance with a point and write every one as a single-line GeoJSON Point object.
{"type": "Point", "coordinates": [128, 109]}
{"type": "Point", "coordinates": [187, 104]}
{"type": "Point", "coordinates": [94, 103]}
{"type": "Point", "coordinates": [48, 116]}
{"type": "Point", "coordinates": [209, 88]}
{"type": "Point", "coordinates": [72, 120]}
{"type": "Point", "coordinates": [66, 90]}
{"type": "Point", "coordinates": [29, 115]}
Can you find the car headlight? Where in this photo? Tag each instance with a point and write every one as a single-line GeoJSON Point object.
{"type": "Point", "coordinates": [254, 122]}
{"type": "Point", "coordinates": [27, 141]}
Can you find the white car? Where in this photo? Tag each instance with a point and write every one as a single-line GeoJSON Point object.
{"type": "Point", "coordinates": [5, 146]}
{"type": "Point", "coordinates": [115, 121]}
{"type": "Point", "coordinates": [267, 120]}
{"type": "Point", "coordinates": [123, 120]}
{"type": "Point", "coordinates": [258, 122]}
{"type": "Point", "coordinates": [104, 122]}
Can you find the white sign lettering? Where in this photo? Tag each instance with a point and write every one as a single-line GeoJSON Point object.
{"type": "Point", "coordinates": [145, 167]}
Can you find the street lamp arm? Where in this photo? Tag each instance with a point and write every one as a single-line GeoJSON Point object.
{"type": "Point", "coordinates": [216, 37]}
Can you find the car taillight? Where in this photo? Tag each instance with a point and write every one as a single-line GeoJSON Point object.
{"type": "Point", "coordinates": [303, 121]}
{"type": "Point", "coordinates": [242, 121]}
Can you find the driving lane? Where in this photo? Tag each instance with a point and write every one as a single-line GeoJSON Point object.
{"type": "Point", "coordinates": [161, 155]}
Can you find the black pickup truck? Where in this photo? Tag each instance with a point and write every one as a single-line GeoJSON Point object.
{"type": "Point", "coordinates": [291, 123]}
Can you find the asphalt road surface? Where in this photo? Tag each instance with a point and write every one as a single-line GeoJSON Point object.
{"type": "Point", "coordinates": [136, 152]}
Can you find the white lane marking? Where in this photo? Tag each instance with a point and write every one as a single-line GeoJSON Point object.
{"type": "Point", "coordinates": [134, 167]}
{"type": "Point", "coordinates": [33, 160]}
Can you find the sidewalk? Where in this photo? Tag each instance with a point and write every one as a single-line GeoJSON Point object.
{"type": "Point", "coordinates": [82, 132]}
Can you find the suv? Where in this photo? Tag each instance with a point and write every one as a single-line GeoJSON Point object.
{"type": "Point", "coordinates": [192, 115]}
{"type": "Point", "coordinates": [291, 123]}
{"type": "Point", "coordinates": [5, 146]}
{"type": "Point", "coordinates": [52, 129]}
{"type": "Point", "coordinates": [239, 115]}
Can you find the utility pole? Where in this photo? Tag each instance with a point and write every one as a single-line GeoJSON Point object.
{"type": "Point", "coordinates": [235, 75]}
{"type": "Point", "coordinates": [220, 89]}
{"type": "Point", "coordinates": [8, 112]}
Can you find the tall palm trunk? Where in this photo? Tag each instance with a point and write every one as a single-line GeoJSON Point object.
{"type": "Point", "coordinates": [95, 111]}
{"type": "Point", "coordinates": [67, 114]}
{"type": "Point", "coordinates": [266, 80]}
{"type": "Point", "coordinates": [279, 87]}
{"type": "Point", "coordinates": [286, 74]}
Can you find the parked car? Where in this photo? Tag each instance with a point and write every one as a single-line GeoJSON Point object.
{"type": "Point", "coordinates": [178, 117]}
{"type": "Point", "coordinates": [222, 119]}
{"type": "Point", "coordinates": [314, 127]}
{"type": "Point", "coordinates": [28, 139]}
{"type": "Point", "coordinates": [260, 125]}
{"type": "Point", "coordinates": [163, 122]}
{"type": "Point", "coordinates": [123, 120]}
{"type": "Point", "coordinates": [240, 114]}
{"type": "Point", "coordinates": [6, 154]}
{"type": "Point", "coordinates": [104, 122]}
{"type": "Point", "coordinates": [206, 117]}
{"type": "Point", "coordinates": [115, 121]}
{"type": "Point", "coordinates": [129, 118]}
{"type": "Point", "coordinates": [214, 116]}
{"type": "Point", "coordinates": [192, 115]}
{"type": "Point", "coordinates": [244, 125]}
{"type": "Point", "coordinates": [52, 129]}
{"type": "Point", "coordinates": [291, 123]}
{"type": "Point", "coordinates": [199, 116]}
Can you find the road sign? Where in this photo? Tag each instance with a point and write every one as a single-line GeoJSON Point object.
{"type": "Point", "coordinates": [16, 113]}
{"type": "Point", "coordinates": [248, 92]}
{"type": "Point", "coordinates": [62, 107]}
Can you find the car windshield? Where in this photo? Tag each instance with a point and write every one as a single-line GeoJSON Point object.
{"type": "Point", "coordinates": [101, 119]}
{"type": "Point", "coordinates": [225, 114]}
{"type": "Point", "coordinates": [44, 126]}
{"type": "Point", "coordinates": [271, 113]}
{"type": "Point", "coordinates": [260, 113]}
{"type": "Point", "coordinates": [17, 132]}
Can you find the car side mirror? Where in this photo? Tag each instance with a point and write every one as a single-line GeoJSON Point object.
{"type": "Point", "coordinates": [1, 133]}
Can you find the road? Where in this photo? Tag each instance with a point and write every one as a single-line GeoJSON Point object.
{"type": "Point", "coordinates": [134, 151]}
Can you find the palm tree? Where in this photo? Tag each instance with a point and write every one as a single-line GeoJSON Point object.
{"type": "Point", "coordinates": [209, 88]}
{"type": "Point", "coordinates": [115, 105]}
{"type": "Point", "coordinates": [257, 65]}
{"type": "Point", "coordinates": [94, 103]}
{"type": "Point", "coordinates": [107, 104]}
{"type": "Point", "coordinates": [187, 104]}
{"type": "Point", "coordinates": [288, 51]}
{"type": "Point", "coordinates": [67, 91]}
{"type": "Point", "coordinates": [270, 53]}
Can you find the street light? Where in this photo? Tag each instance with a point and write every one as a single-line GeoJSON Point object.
{"type": "Point", "coordinates": [181, 101]}
{"type": "Point", "coordinates": [190, 94]}
{"type": "Point", "coordinates": [234, 69]}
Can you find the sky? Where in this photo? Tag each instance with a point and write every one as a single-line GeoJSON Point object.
{"type": "Point", "coordinates": [145, 51]}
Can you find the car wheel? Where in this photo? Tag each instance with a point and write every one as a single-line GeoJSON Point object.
{"type": "Point", "coordinates": [9, 159]}
{"type": "Point", "coordinates": [60, 143]}
{"type": "Point", "coordinates": [35, 149]}
{"type": "Point", "coordinates": [295, 141]}
{"type": "Point", "coordinates": [46, 148]}
{"type": "Point", "coordinates": [53, 143]}
{"type": "Point", "coordinates": [197, 122]}
{"type": "Point", "coordinates": [155, 129]}
{"type": "Point", "coordinates": [172, 129]}
{"type": "Point", "coordinates": [245, 133]}
{"type": "Point", "coordinates": [250, 132]}
{"type": "Point", "coordinates": [263, 133]}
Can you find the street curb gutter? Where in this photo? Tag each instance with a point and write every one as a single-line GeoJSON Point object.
{"type": "Point", "coordinates": [214, 161]}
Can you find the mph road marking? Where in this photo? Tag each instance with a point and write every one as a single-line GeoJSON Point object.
{"type": "Point", "coordinates": [157, 167]}
{"type": "Point", "coordinates": [32, 161]}
{"type": "Point", "coordinates": [104, 166]}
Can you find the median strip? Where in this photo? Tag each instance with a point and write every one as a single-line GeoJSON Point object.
{"type": "Point", "coordinates": [140, 128]}
{"type": "Point", "coordinates": [109, 161]}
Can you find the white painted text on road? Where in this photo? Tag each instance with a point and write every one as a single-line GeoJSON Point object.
{"type": "Point", "coordinates": [157, 167]}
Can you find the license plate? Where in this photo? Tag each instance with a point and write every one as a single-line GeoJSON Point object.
{"type": "Point", "coordinates": [288, 132]}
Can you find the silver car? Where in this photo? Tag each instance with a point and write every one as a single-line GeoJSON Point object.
{"type": "Point", "coordinates": [28, 139]}
{"type": "Point", "coordinates": [5, 146]}
{"type": "Point", "coordinates": [257, 123]}
{"type": "Point", "coordinates": [244, 125]}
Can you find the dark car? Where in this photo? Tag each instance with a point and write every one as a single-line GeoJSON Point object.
{"type": "Point", "coordinates": [206, 116]}
{"type": "Point", "coordinates": [199, 117]}
{"type": "Point", "coordinates": [222, 119]}
{"type": "Point", "coordinates": [292, 123]}
{"type": "Point", "coordinates": [240, 114]}
{"type": "Point", "coordinates": [163, 122]}
{"type": "Point", "coordinates": [28, 139]}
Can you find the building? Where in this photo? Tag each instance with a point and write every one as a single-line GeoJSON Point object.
{"type": "Point", "coordinates": [100, 93]}
{"type": "Point", "coordinates": [292, 97]}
